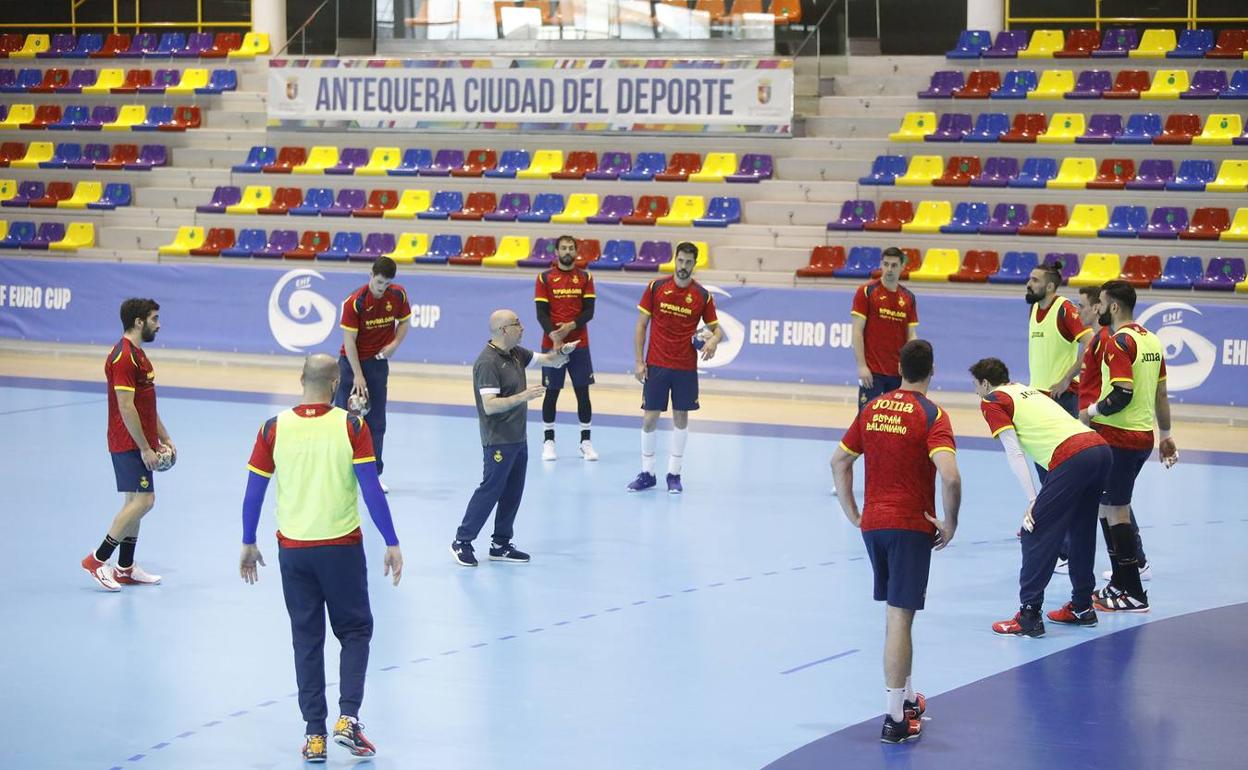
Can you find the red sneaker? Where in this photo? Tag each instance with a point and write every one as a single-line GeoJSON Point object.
{"type": "Point", "coordinates": [134, 576]}
{"type": "Point", "coordinates": [899, 732]}
{"type": "Point", "coordinates": [916, 707]}
{"type": "Point", "coordinates": [1015, 626]}
{"type": "Point", "coordinates": [1067, 616]}
{"type": "Point", "coordinates": [101, 572]}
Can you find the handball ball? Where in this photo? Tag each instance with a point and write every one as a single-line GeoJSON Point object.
{"type": "Point", "coordinates": [166, 457]}
{"type": "Point", "coordinates": [357, 404]}
{"type": "Point", "coordinates": [701, 337]}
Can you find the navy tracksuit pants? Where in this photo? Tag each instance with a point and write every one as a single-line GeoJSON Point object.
{"type": "Point", "coordinates": [502, 484]}
{"type": "Point", "coordinates": [1065, 510]}
{"type": "Point", "coordinates": [332, 577]}
{"type": "Point", "coordinates": [376, 377]}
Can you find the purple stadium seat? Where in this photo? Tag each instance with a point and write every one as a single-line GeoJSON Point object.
{"type": "Point", "coordinates": [997, 172]}
{"type": "Point", "coordinates": [611, 166]}
{"type": "Point", "coordinates": [141, 45]}
{"type": "Point", "coordinates": [942, 85]}
{"type": "Point", "coordinates": [444, 162]}
{"type": "Point", "coordinates": [196, 44]}
{"type": "Point", "coordinates": [161, 80]}
{"type": "Point", "coordinates": [100, 115]}
{"type": "Point", "coordinates": [613, 209]}
{"type": "Point", "coordinates": [375, 245]}
{"type": "Point", "coordinates": [1006, 219]}
{"type": "Point", "coordinates": [349, 159]}
{"type": "Point", "coordinates": [1152, 174]}
{"type": "Point", "coordinates": [92, 155]}
{"type": "Point", "coordinates": [26, 192]}
{"type": "Point", "coordinates": [650, 256]}
{"type": "Point", "coordinates": [1091, 84]}
{"type": "Point", "coordinates": [279, 242]}
{"type": "Point", "coordinates": [1070, 263]}
{"type": "Point", "coordinates": [510, 206]}
{"type": "Point", "coordinates": [951, 127]}
{"type": "Point", "coordinates": [222, 197]}
{"type": "Point", "coordinates": [1117, 43]}
{"type": "Point", "coordinates": [79, 80]}
{"type": "Point", "coordinates": [1102, 129]}
{"type": "Point", "coordinates": [1007, 44]}
{"type": "Point", "coordinates": [150, 156]}
{"type": "Point", "coordinates": [541, 255]}
{"type": "Point", "coordinates": [1125, 222]}
{"type": "Point", "coordinates": [1221, 275]}
{"type": "Point", "coordinates": [347, 203]}
{"type": "Point", "coordinates": [60, 46]}
{"type": "Point", "coordinates": [753, 167]}
{"type": "Point", "coordinates": [854, 214]}
{"type": "Point", "coordinates": [1166, 223]}
{"type": "Point", "coordinates": [23, 81]}
{"type": "Point", "coordinates": [1206, 84]}
{"type": "Point", "coordinates": [49, 232]}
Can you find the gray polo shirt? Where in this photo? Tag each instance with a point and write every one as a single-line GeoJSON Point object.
{"type": "Point", "coordinates": [496, 373]}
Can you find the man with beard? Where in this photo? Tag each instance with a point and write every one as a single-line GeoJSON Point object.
{"type": "Point", "coordinates": [1056, 339]}
{"type": "Point", "coordinates": [884, 317]}
{"type": "Point", "coordinates": [564, 297]}
{"type": "Point", "coordinates": [672, 308]}
{"type": "Point", "coordinates": [134, 434]}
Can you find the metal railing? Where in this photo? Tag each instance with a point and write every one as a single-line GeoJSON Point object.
{"type": "Point", "coordinates": [1192, 20]}
{"type": "Point", "coordinates": [117, 24]}
{"type": "Point", "coordinates": [301, 33]}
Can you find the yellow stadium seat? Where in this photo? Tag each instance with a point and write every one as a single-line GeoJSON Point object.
{"type": "Point", "coordinates": [1155, 44]}
{"type": "Point", "coordinates": [381, 160]}
{"type": "Point", "coordinates": [1063, 128]}
{"type": "Point", "coordinates": [410, 246]}
{"type": "Point", "coordinates": [319, 159]}
{"type": "Point", "coordinates": [1054, 84]}
{"type": "Point", "coordinates": [1043, 43]}
{"type": "Point", "coordinates": [35, 44]}
{"type": "Point", "coordinates": [1241, 287]}
{"type": "Point", "coordinates": [716, 166]}
{"type": "Point", "coordinates": [921, 171]}
{"type": "Point", "coordinates": [1086, 220]}
{"type": "Point", "coordinates": [129, 116]}
{"type": "Point", "coordinates": [254, 44]}
{"type": "Point", "coordinates": [1097, 269]}
{"type": "Point", "coordinates": [1220, 129]}
{"type": "Point", "coordinates": [18, 114]}
{"type": "Point", "coordinates": [1167, 84]}
{"type": "Point", "coordinates": [84, 193]}
{"type": "Point", "coordinates": [36, 153]}
{"type": "Point", "coordinates": [4, 229]}
{"type": "Point", "coordinates": [8, 189]}
{"type": "Point", "coordinates": [580, 207]}
{"type": "Point", "coordinates": [188, 237]}
{"type": "Point", "coordinates": [929, 217]}
{"type": "Point", "coordinates": [1239, 227]}
{"type": "Point", "coordinates": [191, 79]}
{"type": "Point", "coordinates": [411, 203]}
{"type": "Point", "coordinates": [255, 197]}
{"type": "Point", "coordinates": [914, 126]}
{"type": "Point", "coordinates": [78, 235]}
{"type": "Point", "coordinates": [108, 80]}
{"type": "Point", "coordinates": [1232, 177]}
{"type": "Point", "coordinates": [938, 265]}
{"type": "Point", "coordinates": [1074, 174]}
{"type": "Point", "coordinates": [545, 163]}
{"type": "Point", "coordinates": [685, 209]}
{"type": "Point", "coordinates": [703, 260]}
{"type": "Point", "coordinates": [511, 250]}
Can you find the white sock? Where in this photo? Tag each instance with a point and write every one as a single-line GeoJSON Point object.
{"type": "Point", "coordinates": [676, 459]}
{"type": "Point", "coordinates": [548, 426]}
{"type": "Point", "coordinates": [648, 442]}
{"type": "Point", "coordinates": [585, 426]}
{"type": "Point", "coordinates": [896, 702]}
{"type": "Point", "coordinates": [909, 689]}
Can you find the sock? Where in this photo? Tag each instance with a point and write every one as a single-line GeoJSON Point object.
{"type": "Point", "coordinates": [910, 689]}
{"type": "Point", "coordinates": [895, 697]}
{"type": "Point", "coordinates": [584, 431]}
{"type": "Point", "coordinates": [548, 432]}
{"type": "Point", "coordinates": [648, 442]}
{"type": "Point", "coordinates": [679, 439]}
{"type": "Point", "coordinates": [1126, 570]}
{"type": "Point", "coordinates": [125, 556]}
{"type": "Point", "coordinates": [1140, 559]}
{"type": "Point", "coordinates": [1109, 539]}
{"type": "Point", "coordinates": [105, 551]}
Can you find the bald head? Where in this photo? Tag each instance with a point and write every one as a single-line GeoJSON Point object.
{"type": "Point", "coordinates": [500, 319]}
{"type": "Point", "coordinates": [319, 378]}
{"type": "Point", "coordinates": [505, 329]}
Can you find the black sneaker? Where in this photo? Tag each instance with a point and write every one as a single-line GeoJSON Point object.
{"type": "Point", "coordinates": [507, 552]}
{"type": "Point", "coordinates": [1114, 599]}
{"type": "Point", "coordinates": [915, 708]}
{"type": "Point", "coordinates": [899, 732]}
{"type": "Point", "coordinates": [462, 550]}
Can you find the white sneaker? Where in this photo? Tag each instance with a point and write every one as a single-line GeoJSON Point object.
{"type": "Point", "coordinates": [385, 490]}
{"type": "Point", "coordinates": [1145, 574]}
{"type": "Point", "coordinates": [587, 452]}
{"type": "Point", "coordinates": [101, 572]}
{"type": "Point", "coordinates": [1062, 567]}
{"type": "Point", "coordinates": [134, 576]}
{"type": "Point", "coordinates": [548, 451]}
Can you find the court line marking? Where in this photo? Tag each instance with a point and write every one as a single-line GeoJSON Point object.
{"type": "Point", "coordinates": [52, 406]}
{"type": "Point", "coordinates": [817, 662]}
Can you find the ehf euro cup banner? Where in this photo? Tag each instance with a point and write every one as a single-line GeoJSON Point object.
{"type": "Point", "coordinates": [694, 95]}
{"type": "Point", "coordinates": [771, 334]}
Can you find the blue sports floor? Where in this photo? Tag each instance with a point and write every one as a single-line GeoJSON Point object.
{"type": "Point", "coordinates": [728, 629]}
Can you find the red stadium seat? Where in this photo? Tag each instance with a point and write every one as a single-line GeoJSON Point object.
{"type": "Point", "coordinates": [1128, 84]}
{"type": "Point", "coordinates": [1045, 219]}
{"type": "Point", "coordinates": [379, 202]}
{"type": "Point", "coordinates": [1179, 129]}
{"type": "Point", "coordinates": [1113, 174]}
{"type": "Point", "coordinates": [55, 193]}
{"type": "Point", "coordinates": [218, 238]}
{"type": "Point", "coordinates": [587, 250]}
{"type": "Point", "coordinates": [1207, 224]}
{"type": "Point", "coordinates": [312, 243]}
{"type": "Point", "coordinates": [823, 261]}
{"type": "Point", "coordinates": [476, 206]}
{"type": "Point", "coordinates": [287, 158]}
{"type": "Point", "coordinates": [977, 266]}
{"type": "Point", "coordinates": [680, 166]}
{"type": "Point", "coordinates": [1026, 127]}
{"type": "Point", "coordinates": [577, 165]}
{"type": "Point", "coordinates": [648, 209]}
{"type": "Point", "coordinates": [959, 172]}
{"type": "Point", "coordinates": [476, 163]}
{"type": "Point", "coordinates": [891, 216]}
{"type": "Point", "coordinates": [284, 199]}
{"type": "Point", "coordinates": [979, 85]}
{"type": "Point", "coordinates": [135, 79]}
{"type": "Point", "coordinates": [476, 248]}
{"type": "Point", "coordinates": [1140, 270]}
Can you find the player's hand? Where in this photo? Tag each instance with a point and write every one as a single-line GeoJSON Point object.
{"type": "Point", "coordinates": [639, 372]}
{"type": "Point", "coordinates": [1060, 388]}
{"type": "Point", "coordinates": [360, 388]}
{"type": "Point", "coordinates": [387, 351]}
{"type": "Point", "coordinates": [149, 458]}
{"type": "Point", "coordinates": [565, 328]}
{"type": "Point", "coordinates": [865, 378]}
{"type": "Point", "coordinates": [1169, 452]}
{"type": "Point", "coordinates": [708, 349]}
{"type": "Point", "coordinates": [1084, 417]}
{"type": "Point", "coordinates": [393, 562]}
{"type": "Point", "coordinates": [247, 564]}
{"type": "Point", "coordinates": [534, 393]}
{"type": "Point", "coordinates": [944, 531]}
{"type": "Point", "coordinates": [1029, 522]}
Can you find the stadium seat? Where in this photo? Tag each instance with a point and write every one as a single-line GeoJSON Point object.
{"type": "Point", "coordinates": [610, 166]}
{"type": "Point", "coordinates": [951, 127]}
{"type": "Point", "coordinates": [645, 167]}
{"type": "Point", "coordinates": [415, 160]}
{"type": "Point", "coordinates": [545, 163]}
{"type": "Point", "coordinates": [580, 206]}
{"type": "Point", "coordinates": [1035, 173]}
{"type": "Point", "coordinates": [1192, 44]}
{"type": "Point", "coordinates": [375, 245]}
{"type": "Point", "coordinates": [255, 197]}
{"type": "Point", "coordinates": [959, 171]}
{"type": "Point", "coordinates": [219, 82]}
{"type": "Point", "coordinates": [1179, 129]}
{"type": "Point", "coordinates": [914, 127]}
{"type": "Point", "coordinates": [254, 44]}
{"type": "Point", "coordinates": [74, 118]}
{"type": "Point", "coordinates": [545, 206]}
{"type": "Point", "coordinates": [1141, 270]}
{"type": "Point", "coordinates": [170, 43]}
{"type": "Point", "coordinates": [1117, 43]}
{"type": "Point", "coordinates": [1140, 129]}
{"type": "Point", "coordinates": [892, 215]}
{"type": "Point", "coordinates": [854, 214]}
{"type": "Point", "coordinates": [128, 117]}
{"type": "Point", "coordinates": [444, 162]}
{"type": "Point", "coordinates": [135, 79]}
{"type": "Point", "coordinates": [648, 209]}
{"type": "Point", "coordinates": [997, 173]}
{"type": "Point", "coordinates": [1006, 219]}
{"type": "Point", "coordinates": [315, 200]}
{"type": "Point", "coordinates": [1053, 84]}
{"type": "Point", "coordinates": [1192, 176]}
{"type": "Point", "coordinates": [64, 154]}
{"type": "Point", "coordinates": [1043, 44]}
{"type": "Point", "coordinates": [1222, 274]}
{"type": "Point", "coordinates": [114, 44]}
{"type": "Point", "coordinates": [1152, 174]}
{"type": "Point", "coordinates": [1114, 174]}
{"type": "Point", "coordinates": [410, 204]}
{"type": "Point", "coordinates": [1179, 273]}
{"type": "Point", "coordinates": [441, 249]}
{"type": "Point", "coordinates": [613, 209]}
{"type": "Point", "coordinates": [476, 163]}
{"type": "Point", "coordinates": [511, 250]}
{"type": "Point", "coordinates": [347, 162]}
{"type": "Point", "coordinates": [1016, 84]}
{"type": "Point", "coordinates": [720, 212]}
{"type": "Point", "coordinates": [1064, 128]}
{"type": "Point", "coordinates": [10, 42]}
{"type": "Point", "coordinates": [510, 162]}
{"type": "Point", "coordinates": [475, 207]}
{"type": "Point", "coordinates": [1166, 85]}
{"type": "Point", "coordinates": [188, 237]}
{"type": "Point", "coordinates": [284, 199]}
{"type": "Point", "coordinates": [1237, 88]}
{"type": "Point", "coordinates": [1046, 218]}
{"type": "Point", "coordinates": [938, 265]}
{"type": "Point", "coordinates": [1220, 129]}
{"type": "Point", "coordinates": [222, 45]}
{"type": "Point", "coordinates": [196, 44]}
{"type": "Point", "coordinates": [45, 115]}
{"type": "Point", "coordinates": [679, 167]}
{"type": "Point", "coordinates": [615, 254]}
{"type": "Point", "coordinates": [1238, 230]}
{"type": "Point", "coordinates": [1231, 45]}
{"type": "Point", "coordinates": [80, 235]}
{"type": "Point", "coordinates": [53, 79]}
{"type": "Point", "coordinates": [53, 194]}
{"type": "Point", "coordinates": [685, 209]}
{"type": "Point", "coordinates": [347, 203]}
{"type": "Point", "coordinates": [115, 195]}
{"type": "Point", "coordinates": [824, 260]}
{"type": "Point", "coordinates": [1007, 44]}
{"type": "Point", "coordinates": [24, 194]}
{"type": "Point", "coordinates": [277, 244]}
{"type": "Point", "coordinates": [1091, 84]}
{"type": "Point", "coordinates": [1086, 220]}
{"type": "Point", "coordinates": [587, 250]}
{"type": "Point", "coordinates": [1206, 84]}
{"type": "Point", "coordinates": [1097, 269]}
{"type": "Point", "coordinates": [1232, 177]}
{"type": "Point", "coordinates": [701, 262]}
{"type": "Point", "coordinates": [577, 165]}
{"type": "Point", "coordinates": [1102, 129]}
{"type": "Point", "coordinates": [11, 151]}
{"type": "Point", "coordinates": [17, 234]}
{"type": "Point", "coordinates": [223, 197]}
{"type": "Point", "coordinates": [1079, 44]}
{"type": "Point", "coordinates": [443, 204]}
{"type": "Point", "coordinates": [753, 167]}
{"type": "Point", "coordinates": [971, 43]}
{"type": "Point", "coordinates": [968, 217]}
{"type": "Point", "coordinates": [318, 159]}
{"type": "Point", "coordinates": [512, 205]}
{"type": "Point", "coordinates": [84, 193]}
{"type": "Point", "coordinates": [980, 84]}
{"type": "Point", "coordinates": [920, 173]}
{"type": "Point", "coordinates": [37, 153]}
{"type": "Point", "coordinates": [1074, 174]}
{"type": "Point", "coordinates": [1026, 127]}
{"type": "Point", "coordinates": [162, 80]}
{"type": "Point", "coordinates": [542, 254]}
{"type": "Point", "coordinates": [1155, 44]}
{"type": "Point", "coordinates": [1207, 224]}
{"type": "Point", "coordinates": [716, 167]}
{"type": "Point", "coordinates": [929, 217]}
{"type": "Point", "coordinates": [86, 45]}
{"type": "Point", "coordinates": [343, 245]}
{"type": "Point", "coordinates": [476, 249]}
{"type": "Point", "coordinates": [650, 255]}
{"type": "Point", "coordinates": [217, 239]}
{"type": "Point", "coordinates": [1128, 84]}
{"type": "Point", "coordinates": [942, 84]}
{"type": "Point", "coordinates": [1165, 223]}
{"type": "Point", "coordinates": [884, 170]}
{"type": "Point", "coordinates": [860, 263]}
{"type": "Point", "coordinates": [258, 157]}
{"type": "Point", "coordinates": [1069, 264]}
{"type": "Point", "coordinates": [144, 44]}
{"type": "Point", "coordinates": [34, 45]}
{"type": "Point", "coordinates": [94, 156]}
{"type": "Point", "coordinates": [8, 189]}
{"type": "Point", "coordinates": [976, 267]}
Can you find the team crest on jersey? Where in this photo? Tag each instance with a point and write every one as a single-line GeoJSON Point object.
{"type": "Point", "coordinates": [144, 483]}
{"type": "Point", "coordinates": [688, 299]}
{"type": "Point", "coordinates": [901, 302]}
{"type": "Point", "coordinates": [576, 279]}
{"type": "Point", "coordinates": [389, 307]}
{"type": "Point", "coordinates": [498, 455]}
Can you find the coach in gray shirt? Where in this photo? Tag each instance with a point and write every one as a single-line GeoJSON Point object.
{"type": "Point", "coordinates": [502, 395]}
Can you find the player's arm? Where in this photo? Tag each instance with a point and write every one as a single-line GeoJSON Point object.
{"type": "Point", "coordinates": [1119, 355]}
{"type": "Point", "coordinates": [400, 334]}
{"type": "Point", "coordinates": [353, 359]}
{"type": "Point", "coordinates": [639, 345]}
{"type": "Point", "coordinates": [492, 403]}
{"type": "Point", "coordinates": [260, 469]}
{"type": "Point", "coordinates": [1167, 449]}
{"type": "Point", "coordinates": [950, 496]}
{"type": "Point", "coordinates": [860, 350]}
{"type": "Point", "coordinates": [843, 475]}
{"type": "Point", "coordinates": [364, 462]}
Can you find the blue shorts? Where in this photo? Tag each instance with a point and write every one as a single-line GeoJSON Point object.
{"type": "Point", "coordinates": [681, 384]}
{"type": "Point", "coordinates": [880, 384]}
{"type": "Point", "coordinates": [900, 559]}
{"type": "Point", "coordinates": [580, 366]}
{"type": "Point", "coordinates": [132, 474]}
{"type": "Point", "coordinates": [1120, 482]}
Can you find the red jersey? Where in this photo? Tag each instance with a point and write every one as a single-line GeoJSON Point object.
{"type": "Point", "coordinates": [889, 316]}
{"type": "Point", "coordinates": [262, 462]}
{"type": "Point", "coordinates": [128, 369]}
{"type": "Point", "coordinates": [1120, 352]}
{"type": "Point", "coordinates": [998, 411]}
{"type": "Point", "coordinates": [1070, 327]}
{"type": "Point", "coordinates": [373, 318]}
{"type": "Point", "coordinates": [564, 292]}
{"type": "Point", "coordinates": [674, 317]}
{"type": "Point", "coordinates": [899, 433]}
{"type": "Point", "coordinates": [1090, 369]}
